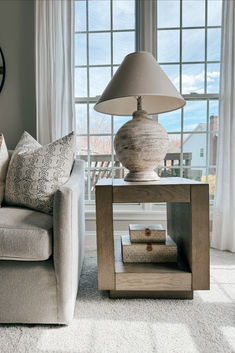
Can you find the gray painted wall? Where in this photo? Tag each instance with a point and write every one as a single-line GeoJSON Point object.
{"type": "Point", "coordinates": [17, 99]}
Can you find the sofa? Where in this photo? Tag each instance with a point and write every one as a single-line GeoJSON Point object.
{"type": "Point", "coordinates": [41, 257]}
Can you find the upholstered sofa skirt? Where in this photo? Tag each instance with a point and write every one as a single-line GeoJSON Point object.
{"type": "Point", "coordinates": [45, 291]}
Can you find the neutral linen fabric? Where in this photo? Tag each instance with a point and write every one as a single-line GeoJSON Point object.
{"type": "Point", "coordinates": [4, 160]}
{"type": "Point", "coordinates": [25, 235]}
{"type": "Point", "coordinates": [28, 292]}
{"type": "Point", "coordinates": [54, 66]}
{"type": "Point", "coordinates": [35, 172]}
{"type": "Point", "coordinates": [223, 236]}
{"type": "Point", "coordinates": [45, 291]}
{"type": "Point", "coordinates": [69, 228]}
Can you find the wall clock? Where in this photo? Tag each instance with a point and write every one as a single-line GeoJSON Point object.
{"type": "Point", "coordinates": [2, 69]}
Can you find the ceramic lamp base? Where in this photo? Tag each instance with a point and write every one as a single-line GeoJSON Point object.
{"type": "Point", "coordinates": [141, 145]}
{"type": "Point", "coordinates": [146, 175]}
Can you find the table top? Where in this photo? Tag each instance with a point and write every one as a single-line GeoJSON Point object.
{"type": "Point", "coordinates": [163, 181]}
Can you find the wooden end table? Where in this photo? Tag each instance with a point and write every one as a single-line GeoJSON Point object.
{"type": "Point", "coordinates": [187, 223]}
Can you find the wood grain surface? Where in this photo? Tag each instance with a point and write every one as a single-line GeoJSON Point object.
{"type": "Point", "coordinates": [105, 240]}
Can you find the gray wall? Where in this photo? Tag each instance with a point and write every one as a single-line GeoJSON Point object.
{"type": "Point", "coordinates": [17, 99]}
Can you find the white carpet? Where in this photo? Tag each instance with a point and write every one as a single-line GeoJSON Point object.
{"type": "Point", "coordinates": [101, 325]}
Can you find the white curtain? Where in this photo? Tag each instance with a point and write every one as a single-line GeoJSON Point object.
{"type": "Point", "coordinates": [223, 236]}
{"type": "Point", "coordinates": [54, 50]}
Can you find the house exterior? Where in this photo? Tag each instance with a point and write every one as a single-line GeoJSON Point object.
{"type": "Point", "coordinates": [196, 144]}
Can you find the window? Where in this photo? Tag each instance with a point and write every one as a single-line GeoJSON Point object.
{"type": "Point", "coordinates": [104, 35]}
{"type": "Point", "coordinates": [188, 49]}
{"type": "Point", "coordinates": [187, 39]}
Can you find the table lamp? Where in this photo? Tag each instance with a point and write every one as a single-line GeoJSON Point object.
{"type": "Point", "coordinates": [140, 87]}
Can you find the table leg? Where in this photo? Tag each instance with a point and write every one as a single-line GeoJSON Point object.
{"type": "Point", "coordinates": [105, 241]}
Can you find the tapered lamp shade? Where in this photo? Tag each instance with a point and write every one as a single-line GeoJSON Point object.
{"type": "Point", "coordinates": [139, 75]}
{"type": "Point", "coordinates": [140, 87]}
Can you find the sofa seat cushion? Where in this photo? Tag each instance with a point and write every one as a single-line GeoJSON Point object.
{"type": "Point", "coordinates": [25, 235]}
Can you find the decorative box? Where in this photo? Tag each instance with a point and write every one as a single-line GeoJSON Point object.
{"type": "Point", "coordinates": [140, 252]}
{"type": "Point", "coordinates": [141, 233]}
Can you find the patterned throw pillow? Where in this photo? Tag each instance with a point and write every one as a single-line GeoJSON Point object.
{"type": "Point", "coordinates": [4, 160]}
{"type": "Point", "coordinates": [35, 172]}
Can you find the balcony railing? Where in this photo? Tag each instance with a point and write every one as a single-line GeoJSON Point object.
{"type": "Point", "coordinates": [101, 166]}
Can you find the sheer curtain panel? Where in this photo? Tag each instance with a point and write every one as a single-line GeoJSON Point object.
{"type": "Point", "coordinates": [54, 61]}
{"type": "Point", "coordinates": [223, 236]}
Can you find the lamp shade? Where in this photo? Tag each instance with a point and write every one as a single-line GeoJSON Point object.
{"type": "Point", "coordinates": [139, 75]}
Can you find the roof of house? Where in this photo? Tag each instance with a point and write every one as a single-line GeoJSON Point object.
{"type": "Point", "coordinates": [199, 127]}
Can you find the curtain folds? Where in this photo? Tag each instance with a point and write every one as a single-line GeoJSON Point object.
{"type": "Point", "coordinates": [223, 236]}
{"type": "Point", "coordinates": [54, 62]}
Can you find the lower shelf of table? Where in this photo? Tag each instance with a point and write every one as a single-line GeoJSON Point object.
{"type": "Point", "coordinates": [167, 277]}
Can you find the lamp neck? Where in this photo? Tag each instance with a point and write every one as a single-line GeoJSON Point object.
{"type": "Point", "coordinates": [139, 103]}
{"type": "Point", "coordinates": [140, 114]}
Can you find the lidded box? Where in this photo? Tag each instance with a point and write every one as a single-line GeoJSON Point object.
{"type": "Point", "coordinates": [152, 233]}
{"type": "Point", "coordinates": [140, 252]}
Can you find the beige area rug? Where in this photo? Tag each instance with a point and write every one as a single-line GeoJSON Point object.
{"type": "Point", "coordinates": [102, 325]}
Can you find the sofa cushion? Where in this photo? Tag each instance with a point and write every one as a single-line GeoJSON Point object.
{"type": "Point", "coordinates": [35, 172]}
{"type": "Point", "coordinates": [4, 160]}
{"type": "Point", "coordinates": [25, 235]}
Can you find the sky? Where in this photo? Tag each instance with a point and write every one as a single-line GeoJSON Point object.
{"type": "Point", "coordinates": [168, 44]}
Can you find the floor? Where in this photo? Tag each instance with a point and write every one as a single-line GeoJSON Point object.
{"type": "Point", "coordinates": [101, 325]}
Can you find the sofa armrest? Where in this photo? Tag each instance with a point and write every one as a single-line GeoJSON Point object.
{"type": "Point", "coordinates": [68, 239]}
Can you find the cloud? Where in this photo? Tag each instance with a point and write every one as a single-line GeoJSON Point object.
{"type": "Point", "coordinates": [195, 82]}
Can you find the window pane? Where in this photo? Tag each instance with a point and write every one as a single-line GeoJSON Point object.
{"type": "Point", "coordinates": [214, 12]}
{"type": "Point", "coordinates": [213, 73]}
{"type": "Point", "coordinates": [123, 44]}
{"type": "Point", "coordinates": [120, 121]}
{"type": "Point", "coordinates": [120, 173]}
{"type": "Point", "coordinates": [213, 140]}
{"type": "Point", "coordinates": [168, 13]}
{"type": "Point", "coordinates": [82, 147]}
{"type": "Point", "coordinates": [193, 45]}
{"type": "Point", "coordinates": [213, 44]}
{"type": "Point", "coordinates": [81, 118]}
{"type": "Point", "coordinates": [99, 48]}
{"type": "Point", "coordinates": [198, 174]}
{"type": "Point", "coordinates": [168, 172]}
{"type": "Point", "coordinates": [174, 144]}
{"type": "Point", "coordinates": [193, 78]}
{"type": "Point", "coordinates": [80, 15]}
{"type": "Point", "coordinates": [99, 15]}
{"type": "Point", "coordinates": [99, 78]}
{"type": "Point", "coordinates": [195, 113]}
{"type": "Point", "coordinates": [80, 49]}
{"type": "Point", "coordinates": [100, 145]}
{"type": "Point", "coordinates": [214, 115]}
{"type": "Point", "coordinates": [196, 144]}
{"type": "Point", "coordinates": [211, 181]}
{"type": "Point", "coordinates": [171, 121]}
{"type": "Point", "coordinates": [193, 13]}
{"type": "Point", "coordinates": [173, 73]}
{"type": "Point", "coordinates": [173, 154]}
{"type": "Point", "coordinates": [99, 123]}
{"type": "Point", "coordinates": [168, 46]}
{"type": "Point", "coordinates": [123, 14]}
{"type": "Point", "coordinates": [95, 176]}
{"type": "Point", "coordinates": [80, 82]}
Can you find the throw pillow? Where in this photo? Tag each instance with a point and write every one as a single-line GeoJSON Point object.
{"type": "Point", "coordinates": [35, 172]}
{"type": "Point", "coordinates": [4, 160]}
